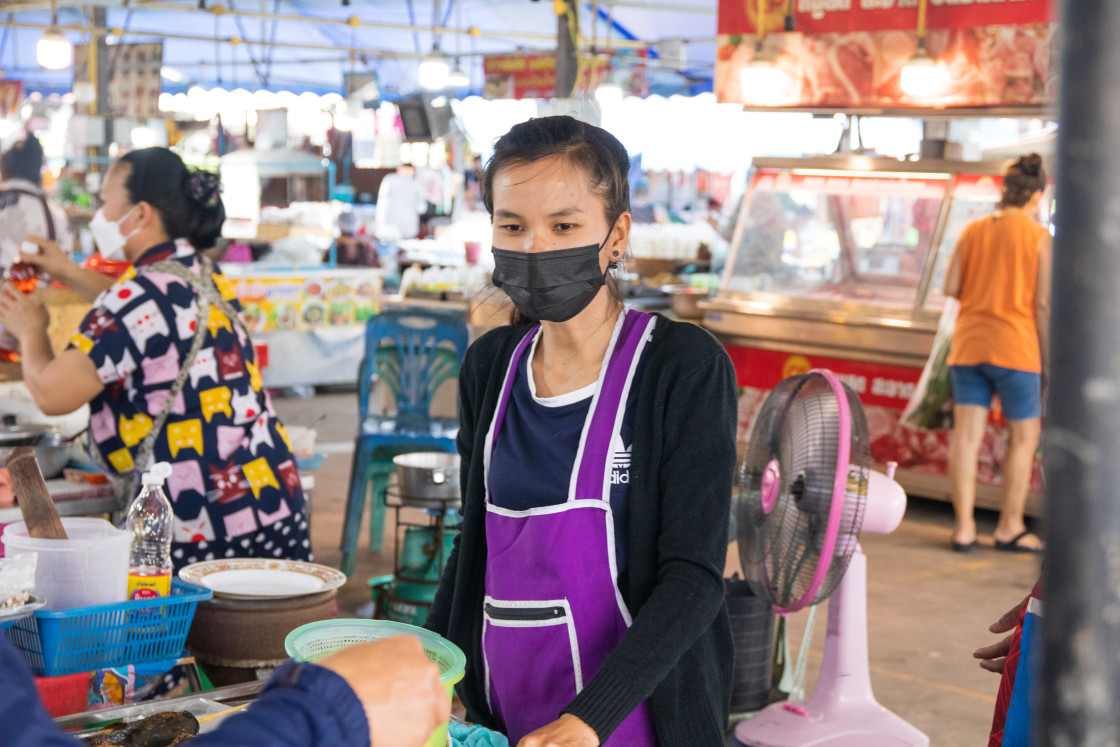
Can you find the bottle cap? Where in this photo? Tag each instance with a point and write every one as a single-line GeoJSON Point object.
{"type": "Point", "coordinates": [159, 472]}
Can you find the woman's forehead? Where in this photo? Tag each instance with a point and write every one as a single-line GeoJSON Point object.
{"type": "Point", "coordinates": [115, 177]}
{"type": "Point", "coordinates": [550, 178]}
{"type": "Point", "coordinates": [554, 169]}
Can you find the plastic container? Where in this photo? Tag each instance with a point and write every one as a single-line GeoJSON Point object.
{"type": "Point", "coordinates": [108, 635]}
{"type": "Point", "coordinates": [88, 568]}
{"type": "Point", "coordinates": [315, 641]}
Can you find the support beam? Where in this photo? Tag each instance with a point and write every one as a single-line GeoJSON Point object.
{"type": "Point", "coordinates": [567, 41]}
{"type": "Point", "coordinates": [1080, 680]}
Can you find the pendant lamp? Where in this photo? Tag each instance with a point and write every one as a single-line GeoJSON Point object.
{"type": "Point", "coordinates": [53, 50]}
{"type": "Point", "coordinates": [922, 76]}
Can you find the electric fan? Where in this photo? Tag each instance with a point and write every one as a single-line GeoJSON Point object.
{"type": "Point", "coordinates": [806, 491]}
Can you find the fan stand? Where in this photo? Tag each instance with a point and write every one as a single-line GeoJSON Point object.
{"type": "Point", "coordinates": [842, 711]}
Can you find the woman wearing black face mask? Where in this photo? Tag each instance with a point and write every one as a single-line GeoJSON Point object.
{"type": "Point", "coordinates": [598, 450]}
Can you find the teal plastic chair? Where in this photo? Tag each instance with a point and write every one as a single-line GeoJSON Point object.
{"type": "Point", "coordinates": [412, 352]}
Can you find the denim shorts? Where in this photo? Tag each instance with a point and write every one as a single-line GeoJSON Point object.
{"type": "Point", "coordinates": [1020, 392]}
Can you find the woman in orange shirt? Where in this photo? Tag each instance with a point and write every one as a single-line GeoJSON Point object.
{"type": "Point", "coordinates": [1000, 272]}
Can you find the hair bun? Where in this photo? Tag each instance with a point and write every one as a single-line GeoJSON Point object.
{"type": "Point", "coordinates": [204, 188]}
{"type": "Point", "coordinates": [31, 145]}
{"type": "Point", "coordinates": [1030, 164]}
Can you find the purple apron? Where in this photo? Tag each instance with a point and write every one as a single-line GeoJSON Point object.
{"type": "Point", "coordinates": [553, 610]}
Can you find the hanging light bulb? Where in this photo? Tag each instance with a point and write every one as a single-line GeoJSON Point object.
{"type": "Point", "coordinates": [53, 50]}
{"type": "Point", "coordinates": [761, 81]}
{"type": "Point", "coordinates": [457, 78]}
{"type": "Point", "coordinates": [922, 76]}
{"type": "Point", "coordinates": [433, 71]}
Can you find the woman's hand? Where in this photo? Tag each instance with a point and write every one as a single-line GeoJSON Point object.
{"type": "Point", "coordinates": [566, 731]}
{"type": "Point", "coordinates": [50, 259]}
{"type": "Point", "coordinates": [22, 314]}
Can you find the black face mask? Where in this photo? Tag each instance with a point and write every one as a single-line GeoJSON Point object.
{"type": "Point", "coordinates": [550, 286]}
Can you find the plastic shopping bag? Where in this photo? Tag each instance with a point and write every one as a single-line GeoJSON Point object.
{"type": "Point", "coordinates": [931, 404]}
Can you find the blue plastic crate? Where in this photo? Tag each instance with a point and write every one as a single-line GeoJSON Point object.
{"type": "Point", "coordinates": [108, 635]}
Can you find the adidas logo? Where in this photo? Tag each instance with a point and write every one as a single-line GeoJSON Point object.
{"type": "Point", "coordinates": [621, 459]}
{"type": "Point", "coordinates": [620, 464]}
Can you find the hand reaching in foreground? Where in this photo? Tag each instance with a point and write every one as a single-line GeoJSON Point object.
{"type": "Point", "coordinates": [50, 258]}
{"type": "Point", "coordinates": [994, 657]}
{"type": "Point", "coordinates": [566, 731]}
{"type": "Point", "coordinates": [22, 313]}
{"type": "Point", "coordinates": [398, 686]}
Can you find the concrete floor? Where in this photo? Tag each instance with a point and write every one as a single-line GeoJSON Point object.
{"type": "Point", "coordinates": [928, 608]}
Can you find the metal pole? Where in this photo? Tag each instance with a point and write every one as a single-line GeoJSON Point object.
{"type": "Point", "coordinates": [567, 61]}
{"type": "Point", "coordinates": [1081, 666]}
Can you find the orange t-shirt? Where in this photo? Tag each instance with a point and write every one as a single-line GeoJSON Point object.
{"type": "Point", "coordinates": [999, 279]}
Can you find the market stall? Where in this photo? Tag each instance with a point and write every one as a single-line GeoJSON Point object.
{"type": "Point", "coordinates": [838, 263]}
{"type": "Point", "coordinates": [307, 324]}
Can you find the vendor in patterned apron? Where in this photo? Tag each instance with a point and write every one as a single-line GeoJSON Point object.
{"type": "Point", "coordinates": [598, 452]}
{"type": "Point", "coordinates": [167, 367]}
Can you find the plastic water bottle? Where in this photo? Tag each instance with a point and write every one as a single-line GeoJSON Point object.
{"type": "Point", "coordinates": [25, 276]}
{"type": "Point", "coordinates": [150, 521]}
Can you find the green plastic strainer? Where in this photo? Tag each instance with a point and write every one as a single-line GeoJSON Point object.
{"type": "Point", "coordinates": [315, 641]}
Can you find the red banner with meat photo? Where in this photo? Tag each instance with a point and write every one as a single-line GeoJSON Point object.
{"type": "Point", "coordinates": [848, 16]}
{"type": "Point", "coordinates": [991, 54]}
{"type": "Point", "coordinates": [884, 391]}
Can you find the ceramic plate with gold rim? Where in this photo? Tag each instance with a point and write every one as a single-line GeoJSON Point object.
{"type": "Point", "coordinates": [255, 578]}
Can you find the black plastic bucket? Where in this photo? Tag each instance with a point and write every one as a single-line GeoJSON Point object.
{"type": "Point", "coordinates": [752, 632]}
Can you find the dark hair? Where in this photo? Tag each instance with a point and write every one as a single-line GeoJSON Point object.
{"type": "Point", "coordinates": [594, 150]}
{"type": "Point", "coordinates": [188, 202]}
{"type": "Point", "coordinates": [1022, 179]}
{"type": "Point", "coordinates": [24, 160]}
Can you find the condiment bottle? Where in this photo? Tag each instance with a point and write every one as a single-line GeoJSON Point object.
{"type": "Point", "coordinates": [150, 521]}
{"type": "Point", "coordinates": [22, 275]}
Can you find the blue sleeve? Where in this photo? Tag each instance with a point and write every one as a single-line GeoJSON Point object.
{"type": "Point", "coordinates": [302, 706]}
{"type": "Point", "coordinates": [25, 723]}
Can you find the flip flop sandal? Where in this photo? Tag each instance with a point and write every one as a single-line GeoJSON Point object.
{"type": "Point", "coordinates": [1013, 544]}
{"type": "Point", "coordinates": [965, 546]}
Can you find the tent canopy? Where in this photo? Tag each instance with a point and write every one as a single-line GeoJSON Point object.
{"type": "Point", "coordinates": [304, 45]}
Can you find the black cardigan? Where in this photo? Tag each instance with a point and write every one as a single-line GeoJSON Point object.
{"type": "Point", "coordinates": [678, 652]}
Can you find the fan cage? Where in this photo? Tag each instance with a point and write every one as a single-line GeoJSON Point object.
{"type": "Point", "coordinates": [799, 426]}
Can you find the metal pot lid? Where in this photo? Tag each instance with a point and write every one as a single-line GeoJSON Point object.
{"type": "Point", "coordinates": [23, 434]}
{"type": "Point", "coordinates": [427, 460]}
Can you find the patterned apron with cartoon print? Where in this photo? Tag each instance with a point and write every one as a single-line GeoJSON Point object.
{"type": "Point", "coordinates": [553, 610]}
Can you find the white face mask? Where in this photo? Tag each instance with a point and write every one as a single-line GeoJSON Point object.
{"type": "Point", "coordinates": [107, 234]}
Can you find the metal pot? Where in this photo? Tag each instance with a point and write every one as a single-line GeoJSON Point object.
{"type": "Point", "coordinates": [686, 300]}
{"type": "Point", "coordinates": [428, 475]}
{"type": "Point", "coordinates": [50, 446]}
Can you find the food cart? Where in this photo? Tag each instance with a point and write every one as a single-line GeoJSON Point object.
{"type": "Point", "coordinates": [308, 323]}
{"type": "Point", "coordinates": [838, 262]}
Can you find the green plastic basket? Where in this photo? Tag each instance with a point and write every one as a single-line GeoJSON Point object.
{"type": "Point", "coordinates": [315, 641]}
{"type": "Point", "coordinates": [318, 640]}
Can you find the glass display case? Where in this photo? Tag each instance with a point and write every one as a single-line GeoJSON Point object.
{"type": "Point", "coordinates": [838, 262]}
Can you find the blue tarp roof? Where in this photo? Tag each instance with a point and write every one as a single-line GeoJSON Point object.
{"type": "Point", "coordinates": [505, 26]}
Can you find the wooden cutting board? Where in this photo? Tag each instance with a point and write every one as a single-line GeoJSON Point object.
{"type": "Point", "coordinates": [31, 493]}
